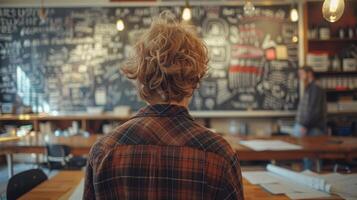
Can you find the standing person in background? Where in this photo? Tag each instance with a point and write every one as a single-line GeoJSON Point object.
{"type": "Point", "coordinates": [311, 113]}
{"type": "Point", "coordinates": [162, 153]}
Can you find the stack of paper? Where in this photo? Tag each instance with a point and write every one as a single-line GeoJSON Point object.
{"type": "Point", "coordinates": [314, 182]}
{"type": "Point", "coordinates": [278, 185]}
{"type": "Point", "coordinates": [305, 185]}
{"type": "Point", "coordinates": [342, 184]}
{"type": "Point", "coordinates": [264, 145]}
{"type": "Point", "coordinates": [346, 187]}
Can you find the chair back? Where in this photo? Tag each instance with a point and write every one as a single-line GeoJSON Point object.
{"type": "Point", "coordinates": [57, 155]}
{"type": "Point", "coordinates": [23, 182]}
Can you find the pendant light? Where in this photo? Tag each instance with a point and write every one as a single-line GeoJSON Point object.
{"type": "Point", "coordinates": [294, 14]}
{"type": "Point", "coordinates": [187, 13]}
{"type": "Point", "coordinates": [332, 10]}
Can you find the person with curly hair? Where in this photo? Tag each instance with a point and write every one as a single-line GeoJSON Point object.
{"type": "Point", "coordinates": [161, 152]}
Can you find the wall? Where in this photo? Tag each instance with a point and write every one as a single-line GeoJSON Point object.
{"type": "Point", "coordinates": [257, 126]}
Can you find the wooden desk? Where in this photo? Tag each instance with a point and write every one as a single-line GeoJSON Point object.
{"type": "Point", "coordinates": [315, 147]}
{"type": "Point", "coordinates": [37, 144]}
{"type": "Point", "coordinates": [62, 185]}
{"type": "Point", "coordinates": [322, 147]}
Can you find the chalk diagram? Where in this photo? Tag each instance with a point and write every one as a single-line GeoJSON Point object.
{"type": "Point", "coordinates": [251, 65]}
{"type": "Point", "coordinates": [72, 61]}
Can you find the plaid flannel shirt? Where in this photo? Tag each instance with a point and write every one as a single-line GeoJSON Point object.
{"type": "Point", "coordinates": [161, 153]}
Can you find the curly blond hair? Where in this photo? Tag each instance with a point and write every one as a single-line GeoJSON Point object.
{"type": "Point", "coordinates": [168, 61]}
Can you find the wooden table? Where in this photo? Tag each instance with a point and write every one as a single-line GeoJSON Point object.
{"type": "Point", "coordinates": [62, 185]}
{"type": "Point", "coordinates": [321, 147]}
{"type": "Point", "coordinates": [36, 143]}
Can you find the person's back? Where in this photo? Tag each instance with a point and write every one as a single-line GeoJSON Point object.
{"type": "Point", "coordinates": [315, 118]}
{"type": "Point", "coordinates": [161, 153]}
{"type": "Point", "coordinates": [311, 112]}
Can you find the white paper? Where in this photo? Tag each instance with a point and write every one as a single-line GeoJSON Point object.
{"type": "Point", "coordinates": [343, 185]}
{"type": "Point", "coordinates": [333, 177]}
{"type": "Point", "coordinates": [78, 192]}
{"type": "Point", "coordinates": [275, 188]}
{"type": "Point", "coordinates": [260, 177]}
{"type": "Point", "coordinates": [346, 186]}
{"type": "Point", "coordinates": [278, 185]}
{"type": "Point", "coordinates": [278, 188]}
{"type": "Point", "coordinates": [310, 181]}
{"type": "Point", "coordinates": [305, 185]}
{"type": "Point", "coordinates": [263, 145]}
{"type": "Point", "coordinates": [295, 191]}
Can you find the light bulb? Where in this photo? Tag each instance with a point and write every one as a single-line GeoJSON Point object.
{"type": "Point", "coordinates": [294, 15]}
{"type": "Point", "coordinates": [120, 25]}
{"type": "Point", "coordinates": [248, 8]}
{"type": "Point", "coordinates": [332, 10]}
{"type": "Point", "coordinates": [295, 39]}
{"type": "Point", "coordinates": [186, 14]}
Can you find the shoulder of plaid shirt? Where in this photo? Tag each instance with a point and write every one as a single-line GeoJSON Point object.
{"type": "Point", "coordinates": [162, 153]}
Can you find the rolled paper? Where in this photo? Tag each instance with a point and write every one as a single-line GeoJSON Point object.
{"type": "Point", "coordinates": [313, 182]}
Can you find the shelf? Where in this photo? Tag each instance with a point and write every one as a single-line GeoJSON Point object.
{"type": "Point", "coordinates": [8, 138]}
{"type": "Point", "coordinates": [242, 114]}
{"type": "Point", "coordinates": [342, 112]}
{"type": "Point", "coordinates": [331, 73]}
{"type": "Point", "coordinates": [340, 90]}
{"type": "Point", "coordinates": [83, 117]}
{"type": "Point", "coordinates": [11, 117]}
{"type": "Point", "coordinates": [334, 40]}
{"type": "Point", "coordinates": [195, 114]}
{"type": "Point", "coordinates": [45, 117]}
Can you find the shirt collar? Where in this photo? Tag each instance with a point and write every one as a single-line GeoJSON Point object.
{"type": "Point", "coordinates": [163, 110]}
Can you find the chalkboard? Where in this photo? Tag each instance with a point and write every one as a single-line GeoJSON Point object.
{"type": "Point", "coordinates": [70, 60]}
